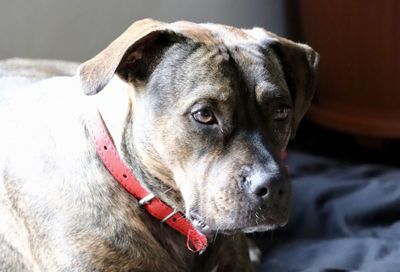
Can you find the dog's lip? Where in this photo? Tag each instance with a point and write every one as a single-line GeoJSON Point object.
{"type": "Point", "coordinates": [260, 228]}
{"type": "Point", "coordinates": [199, 223]}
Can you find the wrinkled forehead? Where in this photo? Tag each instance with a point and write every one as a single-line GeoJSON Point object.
{"type": "Point", "coordinates": [230, 65]}
{"type": "Point", "coordinates": [251, 50]}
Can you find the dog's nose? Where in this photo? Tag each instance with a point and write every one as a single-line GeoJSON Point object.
{"type": "Point", "coordinates": [265, 186]}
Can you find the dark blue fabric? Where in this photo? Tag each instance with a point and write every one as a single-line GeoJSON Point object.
{"type": "Point", "coordinates": [344, 217]}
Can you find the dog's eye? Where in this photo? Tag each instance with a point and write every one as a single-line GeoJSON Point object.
{"type": "Point", "coordinates": [282, 113]}
{"type": "Point", "coordinates": [204, 116]}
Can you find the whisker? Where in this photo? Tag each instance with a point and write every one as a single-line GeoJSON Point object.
{"type": "Point", "coordinates": [166, 191]}
{"type": "Point", "coordinates": [215, 235]}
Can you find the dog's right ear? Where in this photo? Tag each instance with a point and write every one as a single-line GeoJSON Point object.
{"type": "Point", "coordinates": [299, 63]}
{"type": "Point", "coordinates": [132, 53]}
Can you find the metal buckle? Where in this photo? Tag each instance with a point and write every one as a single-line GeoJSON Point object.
{"type": "Point", "coordinates": [146, 199]}
{"type": "Point", "coordinates": [169, 216]}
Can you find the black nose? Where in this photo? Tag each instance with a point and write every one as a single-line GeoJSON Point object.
{"type": "Point", "coordinates": [261, 185]}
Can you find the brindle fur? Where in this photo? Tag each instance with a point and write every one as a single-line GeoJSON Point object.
{"type": "Point", "coordinates": [60, 208]}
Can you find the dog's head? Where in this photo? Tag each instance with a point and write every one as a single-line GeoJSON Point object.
{"type": "Point", "coordinates": [213, 110]}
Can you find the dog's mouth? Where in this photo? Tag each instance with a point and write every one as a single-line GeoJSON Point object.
{"type": "Point", "coordinates": [200, 224]}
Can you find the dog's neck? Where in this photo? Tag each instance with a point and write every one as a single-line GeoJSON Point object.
{"type": "Point", "coordinates": [115, 104]}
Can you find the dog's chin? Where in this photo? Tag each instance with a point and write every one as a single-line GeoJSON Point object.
{"type": "Point", "coordinates": [206, 229]}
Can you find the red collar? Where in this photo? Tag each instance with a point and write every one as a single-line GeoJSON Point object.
{"type": "Point", "coordinates": [196, 241]}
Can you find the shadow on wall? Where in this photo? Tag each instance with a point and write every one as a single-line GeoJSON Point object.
{"type": "Point", "coordinates": [77, 30]}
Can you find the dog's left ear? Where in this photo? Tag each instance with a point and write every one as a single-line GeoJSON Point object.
{"type": "Point", "coordinates": [134, 52]}
{"type": "Point", "coordinates": [299, 63]}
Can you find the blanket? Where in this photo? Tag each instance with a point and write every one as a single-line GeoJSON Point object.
{"type": "Point", "coordinates": [344, 217]}
{"type": "Point", "coordinates": [16, 72]}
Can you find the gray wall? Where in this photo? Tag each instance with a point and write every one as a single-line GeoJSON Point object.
{"type": "Point", "coordinates": [78, 29]}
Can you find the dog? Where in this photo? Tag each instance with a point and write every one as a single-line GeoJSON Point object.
{"type": "Point", "coordinates": [198, 114]}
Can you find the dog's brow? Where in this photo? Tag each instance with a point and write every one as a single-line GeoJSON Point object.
{"type": "Point", "coordinates": [208, 94]}
{"type": "Point", "coordinates": [265, 91]}
{"type": "Point", "coordinates": [186, 106]}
